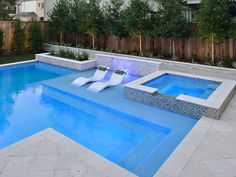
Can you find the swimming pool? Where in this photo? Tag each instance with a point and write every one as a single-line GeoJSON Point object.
{"type": "Point", "coordinates": [36, 96]}
{"type": "Point", "coordinates": [175, 85]}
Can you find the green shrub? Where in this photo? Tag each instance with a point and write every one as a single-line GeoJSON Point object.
{"type": "Point", "coordinates": [83, 57]}
{"type": "Point", "coordinates": [36, 37]}
{"type": "Point", "coordinates": [67, 54]}
{"type": "Point", "coordinates": [228, 62]}
{"type": "Point", "coordinates": [71, 55]}
{"type": "Point", "coordinates": [194, 58]}
{"type": "Point", "coordinates": [19, 38]}
{"type": "Point", "coordinates": [1, 41]}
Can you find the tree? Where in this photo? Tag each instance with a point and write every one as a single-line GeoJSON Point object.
{"type": "Point", "coordinates": [93, 21]}
{"type": "Point", "coordinates": [19, 37]}
{"type": "Point", "coordinates": [59, 17]}
{"type": "Point", "coordinates": [115, 22]}
{"type": "Point", "coordinates": [36, 37]}
{"type": "Point", "coordinates": [1, 41]}
{"type": "Point", "coordinates": [137, 19]}
{"type": "Point", "coordinates": [6, 7]}
{"type": "Point", "coordinates": [214, 21]}
{"type": "Point", "coordinates": [172, 22]}
{"type": "Point", "coordinates": [78, 10]}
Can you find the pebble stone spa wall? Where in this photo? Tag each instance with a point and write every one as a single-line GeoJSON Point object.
{"type": "Point", "coordinates": [174, 105]}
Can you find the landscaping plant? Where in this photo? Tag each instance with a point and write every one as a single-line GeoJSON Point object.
{"type": "Point", "coordinates": [71, 55]}
{"type": "Point", "coordinates": [172, 22]}
{"type": "Point", "coordinates": [6, 7]}
{"type": "Point", "coordinates": [19, 38]}
{"type": "Point", "coordinates": [214, 22]}
{"type": "Point", "coordinates": [59, 18]}
{"type": "Point", "coordinates": [114, 20]}
{"type": "Point", "coordinates": [83, 57]}
{"type": "Point", "coordinates": [77, 13]}
{"type": "Point", "coordinates": [1, 41]}
{"type": "Point", "coordinates": [35, 37]}
{"type": "Point", "coordinates": [93, 19]}
{"type": "Point", "coordinates": [137, 19]}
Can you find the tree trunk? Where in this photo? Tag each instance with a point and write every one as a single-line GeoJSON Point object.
{"type": "Point", "coordinates": [61, 37]}
{"type": "Point", "coordinates": [76, 39]}
{"type": "Point", "coordinates": [212, 49]}
{"type": "Point", "coordinates": [140, 44]}
{"type": "Point", "coordinates": [116, 43]}
{"type": "Point", "coordinates": [93, 41]}
{"type": "Point", "coordinates": [173, 49]}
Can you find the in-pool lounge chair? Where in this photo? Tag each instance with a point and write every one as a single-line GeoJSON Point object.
{"type": "Point", "coordinates": [116, 79]}
{"type": "Point", "coordinates": [98, 75]}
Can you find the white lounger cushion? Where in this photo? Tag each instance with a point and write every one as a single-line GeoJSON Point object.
{"type": "Point", "coordinates": [116, 79]}
{"type": "Point", "coordinates": [99, 75]}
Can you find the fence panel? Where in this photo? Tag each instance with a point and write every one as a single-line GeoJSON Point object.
{"type": "Point", "coordinates": [185, 47]}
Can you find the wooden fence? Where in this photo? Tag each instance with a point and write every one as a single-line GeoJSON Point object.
{"type": "Point", "coordinates": [185, 48]}
{"type": "Point", "coordinates": [8, 27]}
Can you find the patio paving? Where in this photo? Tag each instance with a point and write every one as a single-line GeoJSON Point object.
{"type": "Point", "coordinates": [50, 154]}
{"type": "Point", "coordinates": [208, 151]}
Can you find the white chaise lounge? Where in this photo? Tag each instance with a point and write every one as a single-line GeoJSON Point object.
{"type": "Point", "coordinates": [98, 75]}
{"type": "Point", "coordinates": [116, 79]}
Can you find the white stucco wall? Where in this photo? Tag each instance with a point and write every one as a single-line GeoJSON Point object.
{"type": "Point", "coordinates": [48, 5]}
{"type": "Point", "coordinates": [36, 6]}
{"type": "Point", "coordinates": [27, 6]}
{"type": "Point", "coordinates": [40, 8]}
{"type": "Point", "coordinates": [193, 1]}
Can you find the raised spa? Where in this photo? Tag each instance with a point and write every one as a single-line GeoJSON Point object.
{"type": "Point", "coordinates": [186, 94]}
{"type": "Point", "coordinates": [175, 85]}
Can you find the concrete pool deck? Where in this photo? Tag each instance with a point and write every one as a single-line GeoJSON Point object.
{"type": "Point", "coordinates": [209, 150]}
{"type": "Point", "coordinates": [50, 154]}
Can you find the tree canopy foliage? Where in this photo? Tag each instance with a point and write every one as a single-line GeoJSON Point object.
{"type": "Point", "coordinates": [6, 7]}
{"type": "Point", "coordinates": [59, 17]}
{"type": "Point", "coordinates": [19, 38]}
{"type": "Point", "coordinates": [35, 37]}
{"type": "Point", "coordinates": [114, 18]}
{"type": "Point", "coordinates": [137, 19]}
{"type": "Point", "coordinates": [214, 21]}
{"type": "Point", "coordinates": [172, 23]}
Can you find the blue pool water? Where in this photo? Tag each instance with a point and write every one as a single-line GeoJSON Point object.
{"type": "Point", "coordinates": [33, 98]}
{"type": "Point", "coordinates": [174, 85]}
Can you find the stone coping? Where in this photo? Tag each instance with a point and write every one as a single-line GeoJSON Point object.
{"type": "Point", "coordinates": [216, 100]}
{"type": "Point", "coordinates": [68, 63]}
{"type": "Point", "coordinates": [49, 153]}
{"type": "Point", "coordinates": [63, 59]}
{"type": "Point", "coordinates": [17, 63]}
{"type": "Point", "coordinates": [127, 57]}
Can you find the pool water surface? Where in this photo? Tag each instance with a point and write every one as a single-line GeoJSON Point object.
{"type": "Point", "coordinates": [28, 105]}
{"type": "Point", "coordinates": [175, 85]}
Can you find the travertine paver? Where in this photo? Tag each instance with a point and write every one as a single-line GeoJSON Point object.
{"type": "Point", "coordinates": [208, 151]}
{"type": "Point", "coordinates": [50, 154]}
